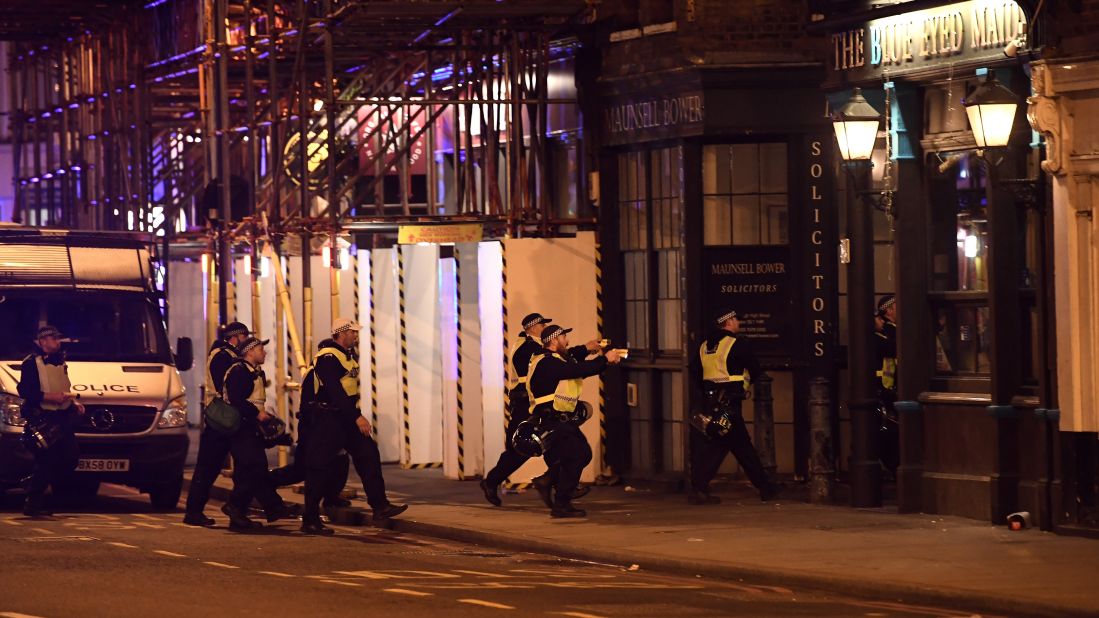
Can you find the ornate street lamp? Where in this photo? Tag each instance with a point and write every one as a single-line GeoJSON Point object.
{"type": "Point", "coordinates": [991, 109]}
{"type": "Point", "coordinates": [856, 125]}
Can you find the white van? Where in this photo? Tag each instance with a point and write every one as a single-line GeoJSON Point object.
{"type": "Point", "coordinates": [98, 289]}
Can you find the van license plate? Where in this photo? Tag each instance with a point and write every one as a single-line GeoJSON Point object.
{"type": "Point", "coordinates": [103, 465]}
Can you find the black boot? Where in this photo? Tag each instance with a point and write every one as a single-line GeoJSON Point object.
{"type": "Point", "coordinates": [389, 511]}
{"type": "Point", "coordinates": [316, 527]}
{"type": "Point", "coordinates": [198, 519]}
{"type": "Point", "coordinates": [238, 521]}
{"type": "Point", "coordinates": [771, 490]}
{"type": "Point", "coordinates": [286, 511]}
{"type": "Point", "coordinates": [492, 493]}
{"type": "Point", "coordinates": [567, 511]}
{"type": "Point", "coordinates": [35, 506]}
{"type": "Point", "coordinates": [581, 491]}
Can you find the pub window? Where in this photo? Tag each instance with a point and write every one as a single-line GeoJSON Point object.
{"type": "Point", "coordinates": [745, 193]}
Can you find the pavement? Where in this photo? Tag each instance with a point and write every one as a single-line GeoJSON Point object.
{"type": "Point", "coordinates": [875, 553]}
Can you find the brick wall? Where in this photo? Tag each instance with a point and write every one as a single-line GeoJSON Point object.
{"type": "Point", "coordinates": [710, 32]}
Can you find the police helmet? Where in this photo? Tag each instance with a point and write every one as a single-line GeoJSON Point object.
{"type": "Point", "coordinates": [528, 440]}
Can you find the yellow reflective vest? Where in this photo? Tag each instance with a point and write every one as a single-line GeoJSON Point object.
{"type": "Point", "coordinates": [715, 363]}
{"type": "Point", "coordinates": [258, 396]}
{"type": "Point", "coordinates": [210, 392]}
{"type": "Point", "coordinates": [53, 379]}
{"type": "Point", "coordinates": [350, 380]}
{"type": "Point", "coordinates": [565, 397]}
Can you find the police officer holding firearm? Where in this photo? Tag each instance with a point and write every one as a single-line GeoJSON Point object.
{"type": "Point", "coordinates": [726, 366]}
{"type": "Point", "coordinates": [885, 331]}
{"type": "Point", "coordinates": [555, 380]}
{"type": "Point", "coordinates": [48, 406]}
{"type": "Point", "coordinates": [528, 346]}
{"type": "Point", "coordinates": [330, 394]}
{"type": "Point", "coordinates": [215, 445]}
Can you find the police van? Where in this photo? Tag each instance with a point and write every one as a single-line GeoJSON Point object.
{"type": "Point", "coordinates": [98, 289]}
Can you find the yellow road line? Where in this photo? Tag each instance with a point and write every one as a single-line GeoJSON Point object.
{"type": "Point", "coordinates": [577, 614]}
{"type": "Point", "coordinates": [481, 573]}
{"type": "Point", "coordinates": [170, 554]}
{"type": "Point", "coordinates": [485, 603]}
{"type": "Point", "coordinates": [366, 574]}
{"type": "Point", "coordinates": [145, 525]}
{"type": "Point", "coordinates": [146, 516]}
{"type": "Point", "coordinates": [220, 564]}
{"type": "Point", "coordinates": [276, 574]}
{"type": "Point", "coordinates": [336, 581]}
{"type": "Point", "coordinates": [16, 615]}
{"type": "Point", "coordinates": [117, 544]}
{"type": "Point", "coordinates": [11, 522]}
{"type": "Point", "coordinates": [414, 593]}
{"type": "Point", "coordinates": [42, 531]}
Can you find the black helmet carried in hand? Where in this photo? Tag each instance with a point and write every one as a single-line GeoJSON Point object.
{"type": "Point", "coordinates": [582, 413]}
{"type": "Point", "coordinates": [529, 440]}
{"type": "Point", "coordinates": [272, 429]}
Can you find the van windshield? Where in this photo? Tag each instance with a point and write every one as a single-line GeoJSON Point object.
{"type": "Point", "coordinates": [118, 327]}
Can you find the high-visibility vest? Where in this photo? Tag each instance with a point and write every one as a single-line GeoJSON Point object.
{"type": "Point", "coordinates": [516, 379]}
{"type": "Point", "coordinates": [715, 363]}
{"type": "Point", "coordinates": [350, 380]}
{"type": "Point", "coordinates": [258, 396]}
{"type": "Point", "coordinates": [53, 379]}
{"type": "Point", "coordinates": [565, 397]}
{"type": "Point", "coordinates": [212, 392]}
{"type": "Point", "coordinates": [888, 373]}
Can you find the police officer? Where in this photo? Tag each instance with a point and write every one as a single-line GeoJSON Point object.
{"type": "Point", "coordinates": [245, 389]}
{"type": "Point", "coordinates": [885, 331]}
{"type": "Point", "coordinates": [527, 347]}
{"type": "Point", "coordinates": [555, 379]}
{"type": "Point", "coordinates": [330, 394]}
{"type": "Point", "coordinates": [726, 366]}
{"type": "Point", "coordinates": [214, 446]}
{"type": "Point", "coordinates": [48, 407]}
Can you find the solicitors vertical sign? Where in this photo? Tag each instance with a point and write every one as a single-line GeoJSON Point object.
{"type": "Point", "coordinates": [821, 257]}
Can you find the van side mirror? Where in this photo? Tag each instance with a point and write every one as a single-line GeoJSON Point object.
{"type": "Point", "coordinates": [185, 354]}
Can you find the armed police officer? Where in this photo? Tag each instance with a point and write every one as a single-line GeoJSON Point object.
{"type": "Point", "coordinates": [245, 389]}
{"type": "Point", "coordinates": [330, 395]}
{"type": "Point", "coordinates": [555, 380]}
{"type": "Point", "coordinates": [726, 366]}
{"type": "Point", "coordinates": [48, 407]}
{"type": "Point", "coordinates": [214, 445]}
{"type": "Point", "coordinates": [528, 346]}
{"type": "Point", "coordinates": [885, 331]}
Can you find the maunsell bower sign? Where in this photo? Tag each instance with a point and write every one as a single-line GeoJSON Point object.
{"type": "Point", "coordinates": [966, 31]}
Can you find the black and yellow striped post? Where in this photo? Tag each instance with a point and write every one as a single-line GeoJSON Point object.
{"type": "Point", "coordinates": [458, 321]}
{"type": "Point", "coordinates": [507, 351]}
{"type": "Point", "coordinates": [406, 412]}
{"type": "Point", "coordinates": [373, 349]}
{"type": "Point", "coordinates": [604, 469]}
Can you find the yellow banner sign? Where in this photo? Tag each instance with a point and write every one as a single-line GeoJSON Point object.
{"type": "Point", "coordinates": [463, 232]}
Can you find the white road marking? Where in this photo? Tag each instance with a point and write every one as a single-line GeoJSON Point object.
{"type": "Point", "coordinates": [485, 603]}
{"type": "Point", "coordinates": [170, 554]}
{"type": "Point", "coordinates": [415, 593]}
{"type": "Point", "coordinates": [42, 531]}
{"type": "Point", "coordinates": [10, 523]}
{"type": "Point", "coordinates": [481, 573]}
{"type": "Point", "coordinates": [17, 615]}
{"type": "Point", "coordinates": [577, 614]}
{"type": "Point", "coordinates": [117, 544]}
{"type": "Point", "coordinates": [336, 581]}
{"type": "Point", "coordinates": [275, 574]}
{"type": "Point", "coordinates": [220, 564]}
{"type": "Point", "coordinates": [145, 525]}
{"type": "Point", "coordinates": [145, 516]}
{"type": "Point", "coordinates": [366, 574]}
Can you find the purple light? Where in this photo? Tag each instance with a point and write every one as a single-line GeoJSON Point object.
{"type": "Point", "coordinates": [74, 105]}
{"type": "Point", "coordinates": [58, 110]}
{"type": "Point", "coordinates": [76, 168]}
{"type": "Point", "coordinates": [92, 137]}
{"type": "Point", "coordinates": [90, 100]}
{"type": "Point", "coordinates": [35, 179]}
{"type": "Point", "coordinates": [47, 176]}
{"type": "Point", "coordinates": [45, 115]}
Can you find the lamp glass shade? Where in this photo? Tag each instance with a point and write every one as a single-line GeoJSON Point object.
{"type": "Point", "coordinates": [991, 110]}
{"type": "Point", "coordinates": [856, 138]}
{"type": "Point", "coordinates": [992, 123]}
{"type": "Point", "coordinates": [856, 127]}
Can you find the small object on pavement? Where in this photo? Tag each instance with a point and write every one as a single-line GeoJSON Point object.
{"type": "Point", "coordinates": [1018, 521]}
{"type": "Point", "coordinates": [634, 567]}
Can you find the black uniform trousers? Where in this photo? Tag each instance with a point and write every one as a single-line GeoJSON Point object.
{"type": "Point", "coordinates": [55, 464]}
{"type": "Point", "coordinates": [332, 432]}
{"type": "Point", "coordinates": [890, 435]}
{"type": "Point", "coordinates": [297, 471]}
{"type": "Point", "coordinates": [567, 453]}
{"type": "Point", "coordinates": [510, 460]}
{"type": "Point", "coordinates": [707, 453]}
{"type": "Point", "coordinates": [213, 448]}
{"type": "Point", "coordinates": [250, 479]}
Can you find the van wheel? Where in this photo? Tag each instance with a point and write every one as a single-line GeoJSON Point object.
{"type": "Point", "coordinates": [76, 493]}
{"type": "Point", "coordinates": [166, 497]}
